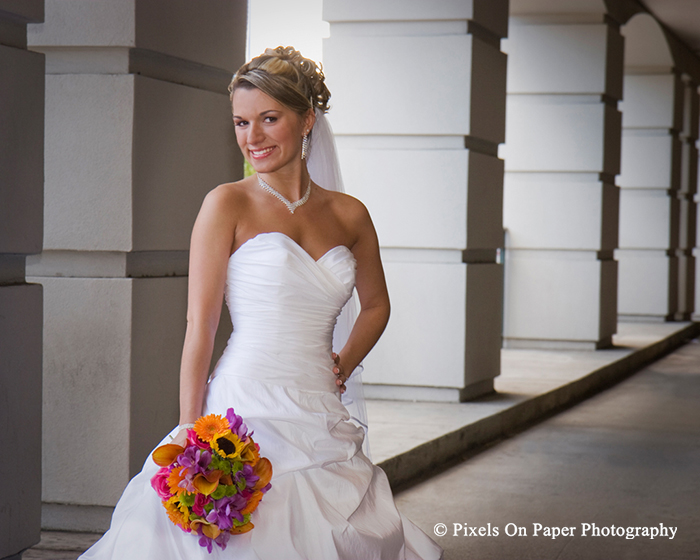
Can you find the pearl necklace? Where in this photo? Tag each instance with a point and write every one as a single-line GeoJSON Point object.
{"type": "Point", "coordinates": [291, 206]}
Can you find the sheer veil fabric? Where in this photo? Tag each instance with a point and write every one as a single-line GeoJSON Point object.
{"type": "Point", "coordinates": [324, 170]}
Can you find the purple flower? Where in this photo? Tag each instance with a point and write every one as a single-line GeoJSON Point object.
{"type": "Point", "coordinates": [205, 542]}
{"type": "Point", "coordinates": [225, 509]}
{"type": "Point", "coordinates": [237, 425]}
{"type": "Point", "coordinates": [248, 474]}
{"type": "Point", "coordinates": [222, 540]}
{"type": "Point", "coordinates": [194, 460]}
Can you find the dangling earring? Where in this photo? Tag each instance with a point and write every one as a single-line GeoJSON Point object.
{"type": "Point", "coordinates": [305, 145]}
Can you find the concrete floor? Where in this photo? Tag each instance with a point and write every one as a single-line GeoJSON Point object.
{"type": "Point", "coordinates": [629, 456]}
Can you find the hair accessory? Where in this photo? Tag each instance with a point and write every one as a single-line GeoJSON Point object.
{"type": "Point", "coordinates": [305, 145]}
{"type": "Point", "coordinates": [291, 206]}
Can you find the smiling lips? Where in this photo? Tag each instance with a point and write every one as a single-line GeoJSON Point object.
{"type": "Point", "coordinates": [259, 154]}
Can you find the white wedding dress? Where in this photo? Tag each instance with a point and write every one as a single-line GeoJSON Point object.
{"type": "Point", "coordinates": [327, 500]}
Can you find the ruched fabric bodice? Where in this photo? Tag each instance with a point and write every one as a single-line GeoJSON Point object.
{"type": "Point", "coordinates": [284, 305]}
{"type": "Point", "coordinates": [327, 500]}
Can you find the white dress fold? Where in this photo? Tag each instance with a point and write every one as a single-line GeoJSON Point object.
{"type": "Point", "coordinates": [327, 500]}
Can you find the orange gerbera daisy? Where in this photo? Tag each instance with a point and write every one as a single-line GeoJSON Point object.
{"type": "Point", "coordinates": [174, 480]}
{"type": "Point", "coordinates": [210, 425]}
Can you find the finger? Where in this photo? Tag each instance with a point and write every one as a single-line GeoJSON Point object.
{"type": "Point", "coordinates": [336, 358]}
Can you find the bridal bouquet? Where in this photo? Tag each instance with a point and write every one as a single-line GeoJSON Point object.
{"type": "Point", "coordinates": [212, 485]}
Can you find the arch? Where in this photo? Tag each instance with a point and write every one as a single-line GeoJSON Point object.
{"type": "Point", "coordinates": [646, 45]}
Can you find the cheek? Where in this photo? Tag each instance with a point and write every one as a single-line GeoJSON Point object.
{"type": "Point", "coordinates": [240, 137]}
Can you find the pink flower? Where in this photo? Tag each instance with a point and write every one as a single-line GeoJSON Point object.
{"type": "Point", "coordinates": [159, 482]}
{"type": "Point", "coordinates": [192, 439]}
{"type": "Point", "coordinates": [200, 500]}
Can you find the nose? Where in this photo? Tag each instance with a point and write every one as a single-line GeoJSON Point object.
{"type": "Point", "coordinates": [255, 133]}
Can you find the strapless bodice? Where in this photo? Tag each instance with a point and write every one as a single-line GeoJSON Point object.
{"type": "Point", "coordinates": [284, 306]}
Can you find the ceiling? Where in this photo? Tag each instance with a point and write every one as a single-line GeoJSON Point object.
{"type": "Point", "coordinates": [680, 16]}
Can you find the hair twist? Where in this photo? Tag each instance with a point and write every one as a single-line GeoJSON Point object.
{"type": "Point", "coordinates": [287, 77]}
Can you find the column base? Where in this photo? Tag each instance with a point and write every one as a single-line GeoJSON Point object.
{"type": "Point", "coordinates": [535, 344]}
{"type": "Point", "coordinates": [70, 517]}
{"type": "Point", "coordinates": [624, 318]}
{"type": "Point", "coordinates": [428, 394]}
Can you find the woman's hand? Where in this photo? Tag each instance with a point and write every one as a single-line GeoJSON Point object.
{"type": "Point", "coordinates": [339, 373]}
{"type": "Point", "coordinates": [180, 438]}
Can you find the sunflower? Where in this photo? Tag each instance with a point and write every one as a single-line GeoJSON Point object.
{"type": "Point", "coordinates": [175, 515]}
{"type": "Point", "coordinates": [208, 426]}
{"type": "Point", "coordinates": [227, 445]}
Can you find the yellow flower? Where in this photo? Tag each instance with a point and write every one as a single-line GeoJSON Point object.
{"type": "Point", "coordinates": [173, 508]}
{"type": "Point", "coordinates": [250, 453]}
{"type": "Point", "coordinates": [207, 484]}
{"type": "Point", "coordinates": [164, 455]}
{"type": "Point", "coordinates": [211, 531]}
{"type": "Point", "coordinates": [263, 469]}
{"type": "Point", "coordinates": [208, 426]}
{"type": "Point", "coordinates": [241, 529]}
{"type": "Point", "coordinates": [227, 445]}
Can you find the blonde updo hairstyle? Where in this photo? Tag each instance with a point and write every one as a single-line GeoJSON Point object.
{"type": "Point", "coordinates": [287, 77]}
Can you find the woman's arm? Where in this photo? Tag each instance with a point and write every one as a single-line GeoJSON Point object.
{"type": "Point", "coordinates": [210, 247]}
{"type": "Point", "coordinates": [373, 294]}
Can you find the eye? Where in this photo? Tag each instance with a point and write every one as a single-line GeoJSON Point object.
{"type": "Point", "coordinates": [270, 119]}
{"type": "Point", "coordinates": [240, 123]}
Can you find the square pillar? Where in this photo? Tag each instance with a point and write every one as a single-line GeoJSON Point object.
{"type": "Point", "coordinates": [656, 195]}
{"type": "Point", "coordinates": [560, 198]}
{"type": "Point", "coordinates": [420, 149]}
{"type": "Point", "coordinates": [21, 224]}
{"type": "Point", "coordinates": [138, 128]}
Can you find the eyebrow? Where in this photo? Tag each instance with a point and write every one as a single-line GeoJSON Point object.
{"type": "Point", "coordinates": [261, 114]}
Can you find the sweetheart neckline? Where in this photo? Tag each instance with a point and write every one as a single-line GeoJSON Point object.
{"type": "Point", "coordinates": [293, 242]}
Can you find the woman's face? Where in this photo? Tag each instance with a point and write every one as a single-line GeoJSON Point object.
{"type": "Point", "coordinates": [268, 133]}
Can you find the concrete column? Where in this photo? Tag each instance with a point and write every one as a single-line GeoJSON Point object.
{"type": "Point", "coordinates": [138, 130]}
{"type": "Point", "coordinates": [418, 109]}
{"type": "Point", "coordinates": [688, 207]}
{"type": "Point", "coordinates": [695, 316]}
{"type": "Point", "coordinates": [21, 196]}
{"type": "Point", "coordinates": [560, 198]}
{"type": "Point", "coordinates": [653, 189]}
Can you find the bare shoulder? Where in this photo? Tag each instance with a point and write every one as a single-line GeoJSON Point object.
{"type": "Point", "coordinates": [228, 200]}
{"type": "Point", "coordinates": [351, 211]}
{"type": "Point", "coordinates": [229, 195]}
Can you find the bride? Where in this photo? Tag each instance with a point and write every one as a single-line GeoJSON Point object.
{"type": "Point", "coordinates": [286, 249]}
